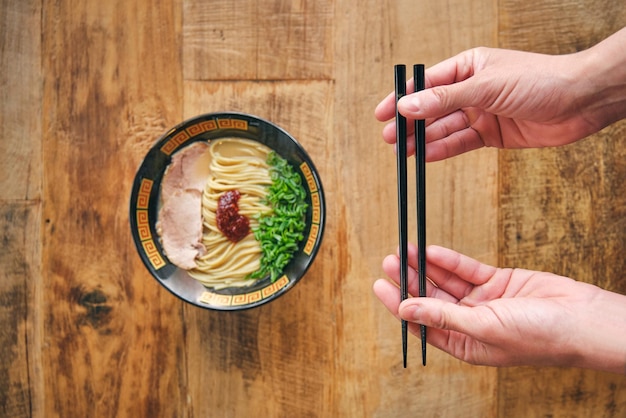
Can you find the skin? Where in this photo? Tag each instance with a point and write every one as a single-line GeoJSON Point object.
{"type": "Point", "coordinates": [510, 99]}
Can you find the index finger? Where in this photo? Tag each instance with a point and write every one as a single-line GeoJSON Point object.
{"type": "Point", "coordinates": [452, 70]}
{"type": "Point", "coordinates": [458, 265]}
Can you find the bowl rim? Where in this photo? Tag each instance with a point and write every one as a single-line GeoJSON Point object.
{"type": "Point", "coordinates": [144, 203]}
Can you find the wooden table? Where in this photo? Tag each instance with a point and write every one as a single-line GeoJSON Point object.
{"type": "Point", "coordinates": [88, 86]}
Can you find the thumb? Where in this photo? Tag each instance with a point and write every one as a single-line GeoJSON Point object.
{"type": "Point", "coordinates": [438, 314]}
{"type": "Point", "coordinates": [441, 100]}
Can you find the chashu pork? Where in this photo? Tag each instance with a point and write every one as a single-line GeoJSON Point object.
{"type": "Point", "coordinates": [180, 216]}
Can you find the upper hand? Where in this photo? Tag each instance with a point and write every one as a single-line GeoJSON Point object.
{"type": "Point", "coordinates": [505, 99]}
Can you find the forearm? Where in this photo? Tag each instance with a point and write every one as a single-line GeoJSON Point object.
{"type": "Point", "coordinates": [601, 334]}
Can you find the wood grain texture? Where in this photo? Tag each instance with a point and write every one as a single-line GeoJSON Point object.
{"type": "Point", "coordinates": [266, 40]}
{"type": "Point", "coordinates": [20, 104]}
{"type": "Point", "coordinates": [564, 210]}
{"type": "Point", "coordinates": [112, 337]}
{"type": "Point", "coordinates": [21, 387]}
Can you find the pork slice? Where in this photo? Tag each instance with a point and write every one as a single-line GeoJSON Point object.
{"type": "Point", "coordinates": [189, 169]}
{"type": "Point", "coordinates": [180, 216]}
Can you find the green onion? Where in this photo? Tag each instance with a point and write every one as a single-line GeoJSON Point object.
{"type": "Point", "coordinates": [280, 231]}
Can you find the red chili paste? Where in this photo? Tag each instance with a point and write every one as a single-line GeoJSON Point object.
{"type": "Point", "coordinates": [233, 225]}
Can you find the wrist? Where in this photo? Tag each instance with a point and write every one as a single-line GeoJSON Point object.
{"type": "Point", "coordinates": [601, 339]}
{"type": "Point", "coordinates": [603, 69]}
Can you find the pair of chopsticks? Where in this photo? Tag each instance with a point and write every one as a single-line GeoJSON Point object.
{"type": "Point", "coordinates": [420, 169]}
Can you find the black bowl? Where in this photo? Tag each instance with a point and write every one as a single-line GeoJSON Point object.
{"type": "Point", "coordinates": [144, 207]}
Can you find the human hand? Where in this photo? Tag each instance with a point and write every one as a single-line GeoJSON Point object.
{"type": "Point", "coordinates": [504, 317]}
{"type": "Point", "coordinates": [512, 99]}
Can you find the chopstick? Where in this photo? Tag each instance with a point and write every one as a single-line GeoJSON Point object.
{"type": "Point", "coordinates": [400, 81]}
{"type": "Point", "coordinates": [420, 170]}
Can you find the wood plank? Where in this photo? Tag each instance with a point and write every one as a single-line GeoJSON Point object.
{"type": "Point", "coordinates": [565, 213]}
{"type": "Point", "coordinates": [557, 27]}
{"type": "Point", "coordinates": [277, 359]}
{"type": "Point", "coordinates": [257, 40]}
{"type": "Point", "coordinates": [21, 380]}
{"type": "Point", "coordinates": [20, 109]}
{"type": "Point", "coordinates": [370, 39]}
{"type": "Point", "coordinates": [112, 334]}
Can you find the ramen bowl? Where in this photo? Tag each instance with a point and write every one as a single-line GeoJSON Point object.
{"type": "Point", "coordinates": [146, 201]}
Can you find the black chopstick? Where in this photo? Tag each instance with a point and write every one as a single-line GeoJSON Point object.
{"type": "Point", "coordinates": [400, 80]}
{"type": "Point", "coordinates": [420, 169]}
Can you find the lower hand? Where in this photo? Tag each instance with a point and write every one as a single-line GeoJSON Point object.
{"type": "Point", "coordinates": [504, 317]}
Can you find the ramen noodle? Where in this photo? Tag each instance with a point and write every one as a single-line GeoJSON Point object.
{"type": "Point", "coordinates": [235, 164]}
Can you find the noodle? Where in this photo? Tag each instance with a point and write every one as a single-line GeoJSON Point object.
{"type": "Point", "coordinates": [236, 164]}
